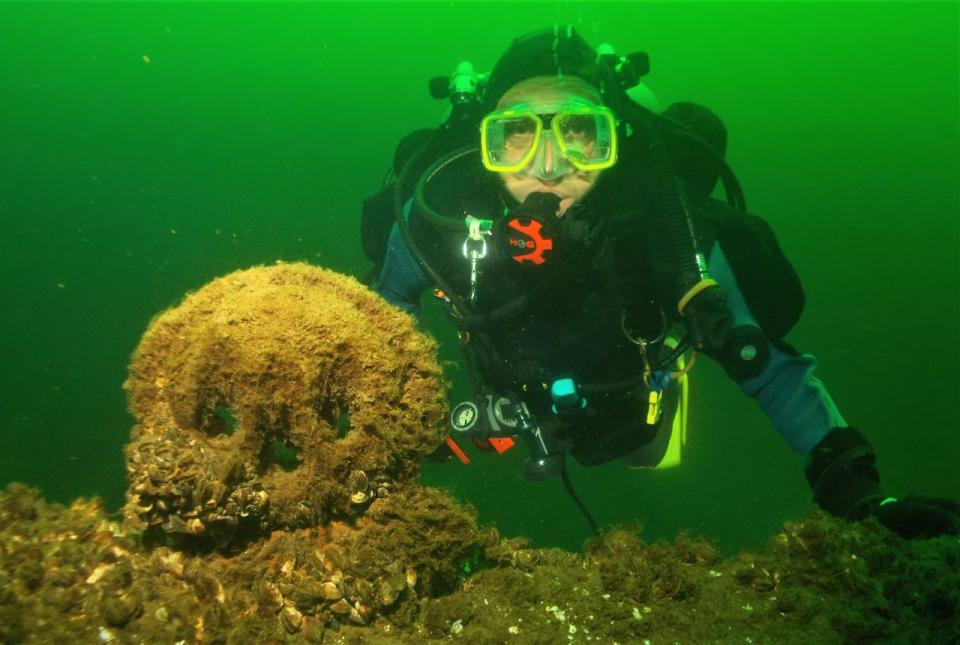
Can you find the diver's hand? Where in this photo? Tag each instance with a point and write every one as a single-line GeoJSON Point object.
{"type": "Point", "coordinates": [707, 319]}
{"type": "Point", "coordinates": [920, 517]}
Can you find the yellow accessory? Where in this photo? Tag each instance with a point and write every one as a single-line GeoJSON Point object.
{"type": "Point", "coordinates": [678, 428]}
{"type": "Point", "coordinates": [706, 283]}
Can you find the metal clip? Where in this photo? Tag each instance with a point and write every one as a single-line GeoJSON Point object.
{"type": "Point", "coordinates": [475, 249]}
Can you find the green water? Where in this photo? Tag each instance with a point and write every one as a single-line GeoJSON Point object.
{"type": "Point", "coordinates": [147, 148]}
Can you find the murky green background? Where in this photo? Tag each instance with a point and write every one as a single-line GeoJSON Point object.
{"type": "Point", "coordinates": [147, 148]}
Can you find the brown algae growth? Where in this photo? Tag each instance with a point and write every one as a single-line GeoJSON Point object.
{"type": "Point", "coordinates": [70, 575]}
{"type": "Point", "coordinates": [281, 414]}
{"type": "Point", "coordinates": [276, 398]}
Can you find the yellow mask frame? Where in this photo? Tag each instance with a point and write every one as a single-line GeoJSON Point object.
{"type": "Point", "coordinates": [603, 114]}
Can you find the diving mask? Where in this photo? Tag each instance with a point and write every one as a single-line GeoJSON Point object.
{"type": "Point", "coordinates": [584, 137]}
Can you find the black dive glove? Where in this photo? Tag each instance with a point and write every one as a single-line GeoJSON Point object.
{"type": "Point", "coordinates": [845, 483]}
{"type": "Point", "coordinates": [707, 319]}
{"type": "Point", "coordinates": [920, 517]}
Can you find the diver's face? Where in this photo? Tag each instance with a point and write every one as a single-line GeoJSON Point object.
{"type": "Point", "coordinates": [548, 172]}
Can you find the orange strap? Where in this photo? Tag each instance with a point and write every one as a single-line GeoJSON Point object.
{"type": "Point", "coordinates": [457, 450]}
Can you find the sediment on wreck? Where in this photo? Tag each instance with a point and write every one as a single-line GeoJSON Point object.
{"type": "Point", "coordinates": [281, 414]}
{"type": "Point", "coordinates": [398, 575]}
{"type": "Point", "coordinates": [277, 397]}
{"type": "Point", "coordinates": [69, 574]}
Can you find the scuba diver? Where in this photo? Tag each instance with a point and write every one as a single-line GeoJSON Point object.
{"type": "Point", "coordinates": [568, 228]}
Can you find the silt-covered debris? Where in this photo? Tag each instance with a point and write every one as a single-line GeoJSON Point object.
{"type": "Point", "coordinates": [276, 398]}
{"type": "Point", "coordinates": [417, 570]}
{"type": "Point", "coordinates": [281, 415]}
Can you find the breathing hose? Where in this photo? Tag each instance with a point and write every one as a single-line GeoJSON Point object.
{"type": "Point", "coordinates": [679, 261]}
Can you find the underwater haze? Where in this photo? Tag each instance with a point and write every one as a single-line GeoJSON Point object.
{"type": "Point", "coordinates": [148, 148]}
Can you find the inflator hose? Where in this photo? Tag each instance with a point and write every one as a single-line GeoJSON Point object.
{"type": "Point", "coordinates": [676, 246]}
{"type": "Point", "coordinates": [404, 227]}
{"type": "Point", "coordinates": [679, 263]}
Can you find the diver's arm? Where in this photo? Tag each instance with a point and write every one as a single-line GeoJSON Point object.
{"type": "Point", "coordinates": [795, 400]}
{"type": "Point", "coordinates": [401, 280]}
{"type": "Point", "coordinates": [841, 466]}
